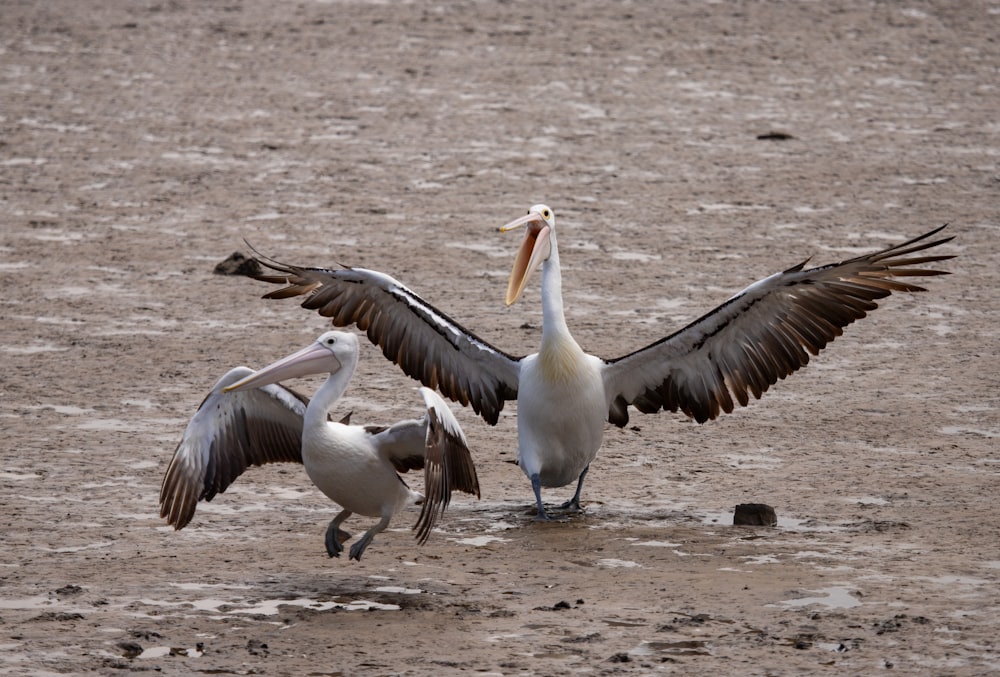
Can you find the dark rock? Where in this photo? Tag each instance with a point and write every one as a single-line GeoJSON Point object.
{"type": "Point", "coordinates": [755, 514]}
{"type": "Point", "coordinates": [69, 590]}
{"type": "Point", "coordinates": [893, 624]}
{"type": "Point", "coordinates": [57, 616]}
{"type": "Point", "coordinates": [130, 649]}
{"type": "Point", "coordinates": [148, 635]}
{"type": "Point", "coordinates": [238, 263]}
{"type": "Point", "coordinates": [775, 136]}
{"type": "Point", "coordinates": [257, 648]}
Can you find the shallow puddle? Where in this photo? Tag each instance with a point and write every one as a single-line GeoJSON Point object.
{"type": "Point", "coordinates": [834, 598]}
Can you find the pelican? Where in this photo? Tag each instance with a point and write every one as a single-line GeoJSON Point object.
{"type": "Point", "coordinates": [248, 418]}
{"type": "Point", "coordinates": [564, 395]}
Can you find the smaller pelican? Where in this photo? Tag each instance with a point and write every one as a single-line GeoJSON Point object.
{"type": "Point", "coordinates": [249, 419]}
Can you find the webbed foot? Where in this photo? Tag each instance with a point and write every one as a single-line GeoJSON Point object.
{"type": "Point", "coordinates": [542, 516]}
{"type": "Point", "coordinates": [335, 539]}
{"type": "Point", "coordinates": [572, 505]}
{"type": "Point", "coordinates": [358, 549]}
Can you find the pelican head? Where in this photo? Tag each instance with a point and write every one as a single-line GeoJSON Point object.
{"type": "Point", "coordinates": [326, 355]}
{"type": "Point", "coordinates": [536, 247]}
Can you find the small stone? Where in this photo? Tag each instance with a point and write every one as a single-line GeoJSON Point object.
{"type": "Point", "coordinates": [775, 136]}
{"type": "Point", "coordinates": [255, 647]}
{"type": "Point", "coordinates": [755, 515]}
{"type": "Point", "coordinates": [238, 263]}
{"type": "Point", "coordinates": [130, 649]}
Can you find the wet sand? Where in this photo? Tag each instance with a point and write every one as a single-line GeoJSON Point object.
{"type": "Point", "coordinates": [143, 141]}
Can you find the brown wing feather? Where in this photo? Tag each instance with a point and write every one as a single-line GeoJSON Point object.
{"type": "Point", "coordinates": [762, 334]}
{"type": "Point", "coordinates": [448, 467]}
{"type": "Point", "coordinates": [229, 433]}
{"type": "Point", "coordinates": [426, 344]}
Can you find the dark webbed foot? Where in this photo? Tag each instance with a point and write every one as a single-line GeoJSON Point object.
{"type": "Point", "coordinates": [542, 516]}
{"type": "Point", "coordinates": [536, 486]}
{"type": "Point", "coordinates": [358, 549]}
{"type": "Point", "coordinates": [572, 505]}
{"type": "Point", "coordinates": [550, 515]}
{"type": "Point", "coordinates": [335, 539]}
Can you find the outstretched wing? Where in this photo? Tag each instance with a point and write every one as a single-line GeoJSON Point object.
{"type": "Point", "coordinates": [229, 433]}
{"type": "Point", "coordinates": [427, 344]}
{"type": "Point", "coordinates": [761, 334]}
{"type": "Point", "coordinates": [436, 444]}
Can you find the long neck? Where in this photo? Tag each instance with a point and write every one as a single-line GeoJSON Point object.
{"type": "Point", "coordinates": [555, 332]}
{"type": "Point", "coordinates": [328, 393]}
{"type": "Point", "coordinates": [553, 318]}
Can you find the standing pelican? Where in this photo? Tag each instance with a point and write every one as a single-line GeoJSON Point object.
{"type": "Point", "coordinates": [564, 395]}
{"type": "Point", "coordinates": [249, 419]}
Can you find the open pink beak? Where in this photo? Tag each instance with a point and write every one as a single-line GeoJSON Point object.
{"type": "Point", "coordinates": [535, 248]}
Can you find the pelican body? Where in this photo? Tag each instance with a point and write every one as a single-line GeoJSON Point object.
{"type": "Point", "coordinates": [248, 419]}
{"type": "Point", "coordinates": [564, 395]}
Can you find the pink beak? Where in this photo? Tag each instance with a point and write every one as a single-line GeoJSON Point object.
{"type": "Point", "coordinates": [535, 248]}
{"type": "Point", "coordinates": [314, 359]}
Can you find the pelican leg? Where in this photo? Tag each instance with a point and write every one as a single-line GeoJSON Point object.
{"type": "Point", "coordinates": [335, 536]}
{"type": "Point", "coordinates": [358, 548]}
{"type": "Point", "coordinates": [573, 504]}
{"type": "Point", "coordinates": [536, 485]}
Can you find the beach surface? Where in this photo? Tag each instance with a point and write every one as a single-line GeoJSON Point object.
{"type": "Point", "coordinates": [687, 149]}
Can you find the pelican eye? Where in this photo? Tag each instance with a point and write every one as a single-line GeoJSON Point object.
{"type": "Point", "coordinates": [546, 213]}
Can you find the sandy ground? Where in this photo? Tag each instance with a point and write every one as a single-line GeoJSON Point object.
{"type": "Point", "coordinates": [142, 141]}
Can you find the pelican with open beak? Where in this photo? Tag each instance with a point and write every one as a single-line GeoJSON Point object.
{"type": "Point", "coordinates": [564, 395]}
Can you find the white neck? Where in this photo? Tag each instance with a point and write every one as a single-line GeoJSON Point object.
{"type": "Point", "coordinates": [328, 393]}
{"type": "Point", "coordinates": [555, 332]}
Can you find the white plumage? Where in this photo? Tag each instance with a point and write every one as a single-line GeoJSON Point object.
{"type": "Point", "coordinates": [249, 419]}
{"type": "Point", "coordinates": [739, 349]}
